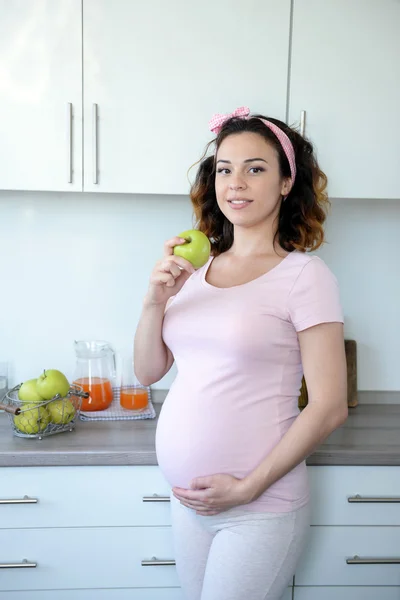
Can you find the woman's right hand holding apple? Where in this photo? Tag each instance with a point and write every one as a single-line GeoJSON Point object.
{"type": "Point", "coordinates": [169, 274]}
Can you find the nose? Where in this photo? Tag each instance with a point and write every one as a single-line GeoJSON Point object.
{"type": "Point", "coordinates": [237, 183]}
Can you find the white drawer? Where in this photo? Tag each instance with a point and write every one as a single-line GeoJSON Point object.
{"type": "Point", "coordinates": [111, 594]}
{"type": "Point", "coordinates": [344, 593]}
{"type": "Point", "coordinates": [106, 557]}
{"type": "Point", "coordinates": [83, 496]}
{"type": "Point", "coordinates": [324, 561]}
{"type": "Point", "coordinates": [331, 488]}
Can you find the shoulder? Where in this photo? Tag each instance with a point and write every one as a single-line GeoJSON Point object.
{"type": "Point", "coordinates": [314, 295]}
{"type": "Point", "coordinates": [309, 268]}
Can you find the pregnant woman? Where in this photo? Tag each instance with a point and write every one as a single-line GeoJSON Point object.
{"type": "Point", "coordinates": [242, 330]}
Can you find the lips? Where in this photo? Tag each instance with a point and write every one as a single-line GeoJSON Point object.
{"type": "Point", "coordinates": [237, 203]}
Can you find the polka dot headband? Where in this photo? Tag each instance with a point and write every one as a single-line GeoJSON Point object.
{"type": "Point", "coordinates": [217, 121]}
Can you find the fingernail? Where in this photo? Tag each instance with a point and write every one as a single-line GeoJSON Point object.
{"type": "Point", "coordinates": [182, 240]}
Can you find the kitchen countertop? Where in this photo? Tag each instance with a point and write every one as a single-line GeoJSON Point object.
{"type": "Point", "coordinates": [370, 436]}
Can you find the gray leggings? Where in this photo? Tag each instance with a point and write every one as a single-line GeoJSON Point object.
{"type": "Point", "coordinates": [237, 555]}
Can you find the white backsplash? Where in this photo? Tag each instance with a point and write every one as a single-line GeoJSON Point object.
{"type": "Point", "coordinates": [76, 266]}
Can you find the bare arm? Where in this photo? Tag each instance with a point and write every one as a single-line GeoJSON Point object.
{"type": "Point", "coordinates": [152, 358]}
{"type": "Point", "coordinates": [324, 364]}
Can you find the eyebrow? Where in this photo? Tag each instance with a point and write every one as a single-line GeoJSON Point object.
{"type": "Point", "coordinates": [248, 160]}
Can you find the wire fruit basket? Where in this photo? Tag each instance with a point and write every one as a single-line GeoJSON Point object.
{"type": "Point", "coordinates": [40, 419]}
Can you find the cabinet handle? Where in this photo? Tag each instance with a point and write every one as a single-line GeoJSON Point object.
{"type": "Point", "coordinates": [356, 560]}
{"type": "Point", "coordinates": [22, 565]}
{"type": "Point", "coordinates": [24, 500]}
{"type": "Point", "coordinates": [302, 122]}
{"type": "Point", "coordinates": [155, 562]}
{"type": "Point", "coordinates": [69, 134]}
{"type": "Point", "coordinates": [155, 498]}
{"type": "Point", "coordinates": [94, 142]}
{"type": "Point", "coordinates": [361, 499]}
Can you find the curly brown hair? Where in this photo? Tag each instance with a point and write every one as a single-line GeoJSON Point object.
{"type": "Point", "coordinates": [301, 214]}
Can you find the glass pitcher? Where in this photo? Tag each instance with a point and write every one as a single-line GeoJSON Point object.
{"type": "Point", "coordinates": [95, 371]}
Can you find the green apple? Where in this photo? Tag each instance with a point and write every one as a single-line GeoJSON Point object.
{"type": "Point", "coordinates": [28, 392]}
{"type": "Point", "coordinates": [61, 411]}
{"type": "Point", "coordinates": [33, 419]}
{"type": "Point", "coordinates": [51, 383]}
{"type": "Point", "coordinates": [197, 248]}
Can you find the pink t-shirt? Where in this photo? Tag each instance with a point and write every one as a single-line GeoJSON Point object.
{"type": "Point", "coordinates": [239, 373]}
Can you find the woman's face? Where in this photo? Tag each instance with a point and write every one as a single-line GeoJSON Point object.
{"type": "Point", "coordinates": [248, 184]}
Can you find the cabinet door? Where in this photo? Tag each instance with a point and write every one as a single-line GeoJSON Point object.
{"type": "Point", "coordinates": [157, 71]}
{"type": "Point", "coordinates": [94, 557]}
{"type": "Point", "coordinates": [360, 495]}
{"type": "Point", "coordinates": [78, 497]}
{"type": "Point", "coordinates": [338, 555]}
{"type": "Point", "coordinates": [347, 593]}
{"type": "Point", "coordinates": [41, 95]}
{"type": "Point", "coordinates": [96, 594]}
{"type": "Point", "coordinates": [127, 594]}
{"type": "Point", "coordinates": [345, 75]}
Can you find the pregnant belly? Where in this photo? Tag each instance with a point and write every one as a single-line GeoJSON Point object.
{"type": "Point", "coordinates": [193, 440]}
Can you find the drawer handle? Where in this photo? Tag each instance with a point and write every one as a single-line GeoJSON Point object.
{"type": "Point", "coordinates": [95, 150]}
{"type": "Point", "coordinates": [156, 498]}
{"type": "Point", "coordinates": [358, 498]}
{"type": "Point", "coordinates": [22, 565]}
{"type": "Point", "coordinates": [24, 500]}
{"type": "Point", "coordinates": [356, 560]}
{"type": "Point", "coordinates": [302, 122]}
{"type": "Point", "coordinates": [69, 130]}
{"type": "Point", "coordinates": [156, 562]}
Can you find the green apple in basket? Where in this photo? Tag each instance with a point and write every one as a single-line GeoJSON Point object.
{"type": "Point", "coordinates": [61, 411]}
{"type": "Point", "coordinates": [51, 383]}
{"type": "Point", "coordinates": [28, 392]}
{"type": "Point", "coordinates": [33, 419]}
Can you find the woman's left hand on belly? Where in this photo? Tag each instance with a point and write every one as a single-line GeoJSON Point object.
{"type": "Point", "coordinates": [213, 494]}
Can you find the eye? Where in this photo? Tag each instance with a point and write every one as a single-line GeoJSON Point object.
{"type": "Point", "coordinates": [257, 169]}
{"type": "Point", "coordinates": [222, 170]}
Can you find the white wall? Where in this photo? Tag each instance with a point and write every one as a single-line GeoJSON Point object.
{"type": "Point", "coordinates": [363, 253]}
{"type": "Point", "coordinates": [76, 266]}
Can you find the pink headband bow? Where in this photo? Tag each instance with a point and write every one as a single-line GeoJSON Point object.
{"type": "Point", "coordinates": [217, 121]}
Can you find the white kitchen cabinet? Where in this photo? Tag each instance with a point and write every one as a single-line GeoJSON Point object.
{"type": "Point", "coordinates": [116, 594]}
{"type": "Point", "coordinates": [114, 496]}
{"type": "Point", "coordinates": [362, 495]}
{"type": "Point", "coordinates": [367, 526]}
{"type": "Point", "coordinates": [325, 560]}
{"type": "Point", "coordinates": [41, 95]}
{"type": "Point", "coordinates": [345, 75]}
{"type": "Point", "coordinates": [112, 515]}
{"type": "Point", "coordinates": [344, 593]}
{"type": "Point", "coordinates": [103, 557]}
{"type": "Point", "coordinates": [154, 74]}
{"type": "Point", "coordinates": [96, 594]}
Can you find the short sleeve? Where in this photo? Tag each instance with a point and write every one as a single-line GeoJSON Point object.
{"type": "Point", "coordinates": [315, 297]}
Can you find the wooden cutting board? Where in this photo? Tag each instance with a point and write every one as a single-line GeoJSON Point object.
{"type": "Point", "coordinates": [350, 347]}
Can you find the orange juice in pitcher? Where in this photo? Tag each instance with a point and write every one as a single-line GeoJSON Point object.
{"type": "Point", "coordinates": [99, 390]}
{"type": "Point", "coordinates": [95, 371]}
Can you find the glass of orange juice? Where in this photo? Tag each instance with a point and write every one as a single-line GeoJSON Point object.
{"type": "Point", "coordinates": [133, 395]}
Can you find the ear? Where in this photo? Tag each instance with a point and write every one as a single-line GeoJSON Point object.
{"type": "Point", "coordinates": [286, 186]}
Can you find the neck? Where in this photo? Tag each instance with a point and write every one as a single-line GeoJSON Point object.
{"type": "Point", "coordinates": [256, 240]}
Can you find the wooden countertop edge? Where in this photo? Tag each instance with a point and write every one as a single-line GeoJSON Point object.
{"type": "Point", "coordinates": [348, 446]}
{"type": "Point", "coordinates": [149, 459]}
